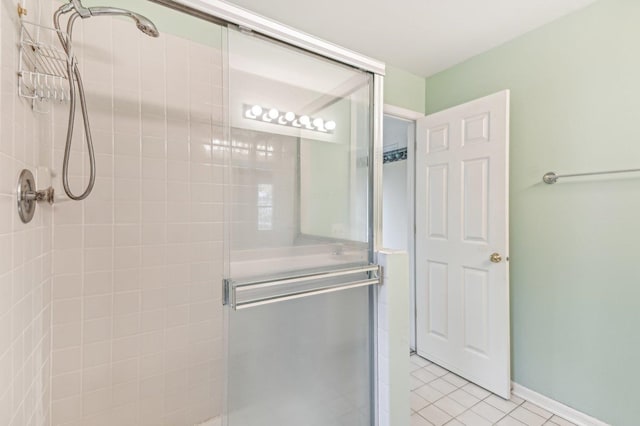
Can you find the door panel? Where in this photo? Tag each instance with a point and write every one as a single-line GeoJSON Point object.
{"type": "Point", "coordinates": [438, 299]}
{"type": "Point", "coordinates": [461, 219]}
{"type": "Point", "coordinates": [437, 181]}
{"type": "Point", "coordinates": [475, 203]}
{"type": "Point", "coordinates": [299, 291]}
{"type": "Point", "coordinates": [438, 139]}
{"type": "Point", "coordinates": [475, 311]}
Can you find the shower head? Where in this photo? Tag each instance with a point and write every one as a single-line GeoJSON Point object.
{"type": "Point", "coordinates": [143, 24]}
{"type": "Point", "coordinates": [147, 27]}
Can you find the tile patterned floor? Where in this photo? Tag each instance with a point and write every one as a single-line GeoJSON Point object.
{"type": "Point", "coordinates": [439, 397]}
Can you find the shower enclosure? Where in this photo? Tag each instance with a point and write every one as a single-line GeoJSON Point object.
{"type": "Point", "coordinates": [222, 269]}
{"type": "Point", "coordinates": [299, 249]}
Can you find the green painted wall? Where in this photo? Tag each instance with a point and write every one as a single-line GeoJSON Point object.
{"type": "Point", "coordinates": [404, 89]}
{"type": "Point", "coordinates": [575, 246]}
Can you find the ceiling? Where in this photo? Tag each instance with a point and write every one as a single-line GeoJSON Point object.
{"type": "Point", "coordinates": [419, 36]}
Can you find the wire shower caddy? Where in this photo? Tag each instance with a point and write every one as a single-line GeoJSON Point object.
{"type": "Point", "coordinates": [42, 69]}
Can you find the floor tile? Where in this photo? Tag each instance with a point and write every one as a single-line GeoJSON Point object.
{"type": "Point", "coordinates": [455, 380]}
{"type": "Point", "coordinates": [469, 418]}
{"type": "Point", "coordinates": [424, 375]}
{"type": "Point", "coordinates": [516, 399]}
{"type": "Point", "coordinates": [449, 406]}
{"type": "Point", "coordinates": [476, 391]}
{"type": "Point", "coordinates": [442, 386]}
{"type": "Point", "coordinates": [463, 398]}
{"type": "Point", "coordinates": [418, 420]}
{"type": "Point", "coordinates": [413, 367]}
{"type": "Point", "coordinates": [527, 417]}
{"type": "Point", "coordinates": [501, 404]}
{"type": "Point", "coordinates": [415, 383]}
{"type": "Point", "coordinates": [450, 400]}
{"type": "Point", "coordinates": [417, 402]}
{"type": "Point", "coordinates": [488, 411]}
{"type": "Point", "coordinates": [429, 393]}
{"type": "Point", "coordinates": [538, 410]}
{"type": "Point", "coordinates": [509, 421]}
{"type": "Point", "coordinates": [435, 415]}
{"type": "Point", "coordinates": [417, 360]}
{"type": "Point", "coordinates": [437, 370]}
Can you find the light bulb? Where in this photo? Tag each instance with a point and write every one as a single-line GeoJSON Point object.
{"type": "Point", "coordinates": [330, 125]}
{"type": "Point", "coordinates": [318, 123]}
{"type": "Point", "coordinates": [289, 116]}
{"type": "Point", "coordinates": [273, 113]}
{"type": "Point", "coordinates": [304, 120]}
{"type": "Point", "coordinates": [256, 110]}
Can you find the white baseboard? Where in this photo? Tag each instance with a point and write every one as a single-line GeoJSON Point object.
{"type": "Point", "coordinates": [555, 407]}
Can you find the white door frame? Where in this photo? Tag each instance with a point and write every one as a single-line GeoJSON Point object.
{"type": "Point", "coordinates": [409, 115]}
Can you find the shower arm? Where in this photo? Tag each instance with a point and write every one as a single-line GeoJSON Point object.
{"type": "Point", "coordinates": [84, 12]}
{"type": "Point", "coordinates": [88, 12]}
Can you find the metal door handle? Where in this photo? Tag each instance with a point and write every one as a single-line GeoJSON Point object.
{"type": "Point", "coordinates": [495, 258]}
{"type": "Point", "coordinates": [246, 294]}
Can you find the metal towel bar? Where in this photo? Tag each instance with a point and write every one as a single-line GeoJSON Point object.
{"type": "Point", "coordinates": [551, 177]}
{"type": "Point", "coordinates": [246, 294]}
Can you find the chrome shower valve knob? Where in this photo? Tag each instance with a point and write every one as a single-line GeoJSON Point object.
{"type": "Point", "coordinates": [41, 195]}
{"type": "Point", "coordinates": [28, 196]}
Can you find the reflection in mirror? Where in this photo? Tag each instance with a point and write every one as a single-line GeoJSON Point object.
{"type": "Point", "coordinates": [299, 160]}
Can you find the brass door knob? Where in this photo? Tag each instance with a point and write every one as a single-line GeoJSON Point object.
{"type": "Point", "coordinates": [495, 258]}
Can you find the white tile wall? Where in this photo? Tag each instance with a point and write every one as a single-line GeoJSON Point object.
{"type": "Point", "coordinates": [25, 250]}
{"type": "Point", "coordinates": [136, 312]}
{"type": "Point", "coordinates": [110, 310]}
{"type": "Point", "coordinates": [393, 339]}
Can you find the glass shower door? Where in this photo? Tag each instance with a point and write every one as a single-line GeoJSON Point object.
{"type": "Point", "coordinates": [298, 240]}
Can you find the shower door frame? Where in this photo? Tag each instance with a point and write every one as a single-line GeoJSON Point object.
{"type": "Point", "coordinates": [224, 13]}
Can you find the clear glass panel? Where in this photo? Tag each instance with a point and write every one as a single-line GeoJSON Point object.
{"type": "Point", "coordinates": [300, 138]}
{"type": "Point", "coordinates": [299, 144]}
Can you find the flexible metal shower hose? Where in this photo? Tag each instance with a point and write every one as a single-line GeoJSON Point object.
{"type": "Point", "coordinates": [72, 71]}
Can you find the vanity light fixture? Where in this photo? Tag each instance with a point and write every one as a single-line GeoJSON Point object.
{"type": "Point", "coordinates": [288, 118]}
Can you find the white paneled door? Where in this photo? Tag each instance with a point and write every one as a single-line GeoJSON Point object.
{"type": "Point", "coordinates": [462, 240]}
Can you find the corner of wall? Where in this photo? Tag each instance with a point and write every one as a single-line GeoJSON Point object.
{"type": "Point", "coordinates": [25, 249]}
{"type": "Point", "coordinates": [404, 89]}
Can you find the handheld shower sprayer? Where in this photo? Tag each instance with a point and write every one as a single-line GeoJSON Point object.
{"type": "Point", "coordinates": [75, 79]}
{"type": "Point", "coordinates": [143, 24]}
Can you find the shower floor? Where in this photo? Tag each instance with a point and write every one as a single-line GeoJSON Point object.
{"type": "Point", "coordinates": [439, 397]}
